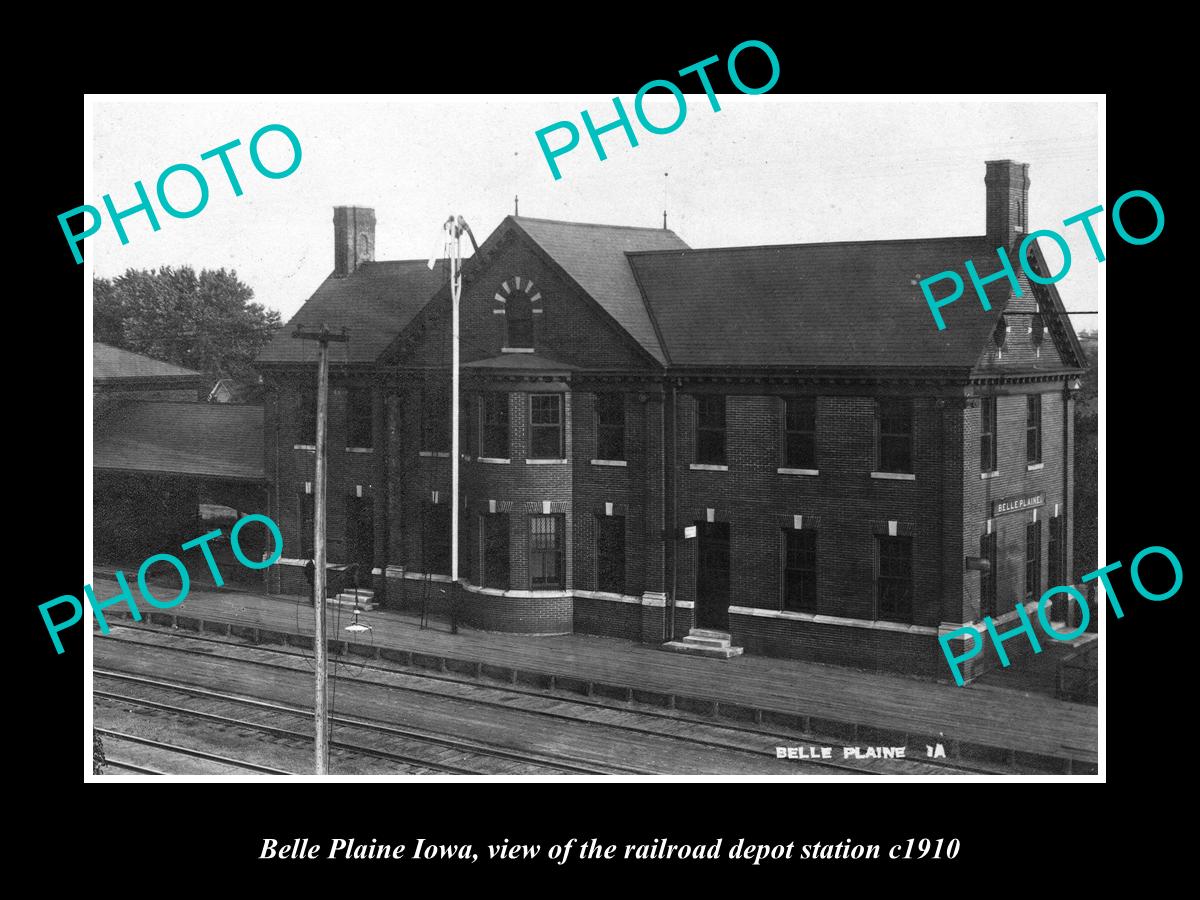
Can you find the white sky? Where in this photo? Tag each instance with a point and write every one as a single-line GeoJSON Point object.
{"type": "Point", "coordinates": [765, 169]}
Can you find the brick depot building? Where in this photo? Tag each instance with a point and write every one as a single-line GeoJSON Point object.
{"type": "Point", "coordinates": [773, 442]}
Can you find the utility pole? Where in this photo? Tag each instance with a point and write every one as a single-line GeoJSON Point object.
{"type": "Point", "coordinates": [320, 644]}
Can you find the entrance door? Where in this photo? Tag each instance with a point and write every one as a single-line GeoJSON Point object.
{"type": "Point", "coordinates": [360, 537]}
{"type": "Point", "coordinates": [712, 576]}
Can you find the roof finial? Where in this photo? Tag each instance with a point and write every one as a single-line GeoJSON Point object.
{"type": "Point", "coordinates": [516, 204]}
{"type": "Point", "coordinates": [666, 196]}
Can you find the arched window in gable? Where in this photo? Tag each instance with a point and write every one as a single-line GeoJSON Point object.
{"type": "Point", "coordinates": [518, 315]}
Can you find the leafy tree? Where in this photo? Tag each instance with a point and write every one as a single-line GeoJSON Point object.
{"type": "Point", "coordinates": [1087, 400]}
{"type": "Point", "coordinates": [206, 322]}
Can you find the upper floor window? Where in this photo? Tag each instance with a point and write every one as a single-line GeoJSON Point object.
{"type": "Point", "coordinates": [895, 435]}
{"type": "Point", "coordinates": [710, 429]}
{"type": "Point", "coordinates": [800, 433]}
{"type": "Point", "coordinates": [1033, 428]}
{"type": "Point", "coordinates": [610, 426]}
{"type": "Point", "coordinates": [518, 319]}
{"type": "Point", "coordinates": [494, 427]}
{"type": "Point", "coordinates": [469, 411]}
{"type": "Point", "coordinates": [545, 426]}
{"type": "Point", "coordinates": [358, 417]}
{"type": "Point", "coordinates": [435, 419]}
{"type": "Point", "coordinates": [306, 417]}
{"type": "Point", "coordinates": [987, 434]}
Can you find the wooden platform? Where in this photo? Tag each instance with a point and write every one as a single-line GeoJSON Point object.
{"type": "Point", "coordinates": [990, 723]}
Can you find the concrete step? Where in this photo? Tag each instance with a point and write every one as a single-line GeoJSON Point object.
{"type": "Point", "coordinates": [697, 649]}
{"type": "Point", "coordinates": [708, 637]}
{"type": "Point", "coordinates": [350, 601]}
{"type": "Point", "coordinates": [709, 633]}
{"type": "Point", "coordinates": [365, 593]}
{"type": "Point", "coordinates": [707, 641]}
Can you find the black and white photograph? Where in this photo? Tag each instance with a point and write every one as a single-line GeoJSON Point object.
{"type": "Point", "coordinates": [531, 438]}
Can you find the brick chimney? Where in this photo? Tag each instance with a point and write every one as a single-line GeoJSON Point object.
{"type": "Point", "coordinates": [1007, 201]}
{"type": "Point", "coordinates": [353, 238]}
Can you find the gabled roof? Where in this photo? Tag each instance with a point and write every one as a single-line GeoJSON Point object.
{"type": "Point", "coordinates": [594, 256]}
{"type": "Point", "coordinates": [1057, 320]}
{"type": "Point", "coordinates": [112, 365]}
{"type": "Point", "coordinates": [218, 440]}
{"type": "Point", "coordinates": [848, 305]}
{"type": "Point", "coordinates": [373, 303]}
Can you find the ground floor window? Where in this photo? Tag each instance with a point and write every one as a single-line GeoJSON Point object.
{"type": "Point", "coordinates": [610, 554]}
{"type": "Point", "coordinates": [435, 543]}
{"type": "Point", "coordinates": [800, 570]}
{"type": "Point", "coordinates": [493, 537]}
{"type": "Point", "coordinates": [545, 552]}
{"type": "Point", "coordinates": [987, 579]}
{"type": "Point", "coordinates": [305, 516]}
{"type": "Point", "coordinates": [1033, 560]}
{"type": "Point", "coordinates": [894, 579]}
{"type": "Point", "coordinates": [360, 535]}
{"type": "Point", "coordinates": [1056, 557]}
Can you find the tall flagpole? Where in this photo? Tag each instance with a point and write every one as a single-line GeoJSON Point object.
{"type": "Point", "coordinates": [455, 291]}
{"type": "Point", "coordinates": [454, 227]}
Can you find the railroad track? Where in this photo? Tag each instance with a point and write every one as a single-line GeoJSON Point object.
{"type": "Point", "coordinates": [183, 751]}
{"type": "Point", "coordinates": [471, 748]}
{"type": "Point", "coordinates": [739, 731]}
{"type": "Point", "coordinates": [137, 770]}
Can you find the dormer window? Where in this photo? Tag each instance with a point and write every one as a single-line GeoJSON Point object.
{"type": "Point", "coordinates": [1000, 335]}
{"type": "Point", "coordinates": [1038, 330]}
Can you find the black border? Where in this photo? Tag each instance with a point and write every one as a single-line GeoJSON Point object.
{"type": "Point", "coordinates": [1147, 438]}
